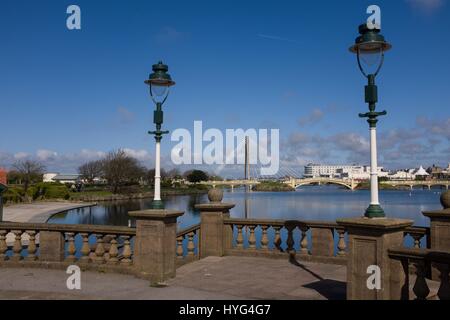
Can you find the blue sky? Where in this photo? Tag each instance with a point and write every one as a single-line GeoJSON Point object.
{"type": "Point", "coordinates": [69, 96]}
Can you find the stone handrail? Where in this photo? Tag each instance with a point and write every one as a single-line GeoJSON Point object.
{"type": "Point", "coordinates": [311, 240]}
{"type": "Point", "coordinates": [93, 247]}
{"type": "Point", "coordinates": [422, 260]}
{"type": "Point", "coordinates": [187, 244]}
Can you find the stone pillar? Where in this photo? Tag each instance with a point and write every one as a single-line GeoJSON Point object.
{"type": "Point", "coordinates": [322, 241]}
{"type": "Point", "coordinates": [51, 246]}
{"type": "Point", "coordinates": [369, 242]}
{"type": "Point", "coordinates": [440, 228]}
{"type": "Point", "coordinates": [215, 236]}
{"type": "Point", "coordinates": [155, 244]}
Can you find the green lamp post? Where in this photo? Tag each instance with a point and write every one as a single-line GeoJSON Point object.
{"type": "Point", "coordinates": [3, 188]}
{"type": "Point", "coordinates": [369, 48]}
{"type": "Point", "coordinates": [159, 83]}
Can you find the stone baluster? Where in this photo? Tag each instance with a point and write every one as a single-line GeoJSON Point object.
{"type": "Point", "coordinates": [31, 246]}
{"type": "Point", "coordinates": [113, 250]}
{"type": "Point", "coordinates": [341, 243]}
{"type": "Point", "coordinates": [420, 288]}
{"type": "Point", "coordinates": [180, 251]}
{"type": "Point", "coordinates": [85, 248]}
{"type": "Point", "coordinates": [252, 238]}
{"type": "Point", "coordinates": [290, 239]}
{"type": "Point", "coordinates": [17, 247]}
{"type": "Point", "coordinates": [417, 238]}
{"type": "Point", "coordinates": [264, 238]}
{"type": "Point", "coordinates": [240, 237]}
{"type": "Point", "coordinates": [191, 246]}
{"type": "Point", "coordinates": [3, 245]}
{"type": "Point", "coordinates": [70, 247]}
{"type": "Point", "coordinates": [304, 241]}
{"type": "Point", "coordinates": [126, 253]}
{"type": "Point", "coordinates": [444, 288]}
{"type": "Point", "coordinates": [277, 239]}
{"type": "Point", "coordinates": [99, 250]}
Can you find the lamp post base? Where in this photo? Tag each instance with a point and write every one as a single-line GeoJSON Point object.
{"type": "Point", "coordinates": [157, 204]}
{"type": "Point", "coordinates": [375, 211]}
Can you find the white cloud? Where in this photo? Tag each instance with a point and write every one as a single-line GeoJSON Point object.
{"type": "Point", "coordinates": [46, 155]}
{"type": "Point", "coordinates": [21, 155]}
{"type": "Point", "coordinates": [141, 155]}
{"type": "Point", "coordinates": [427, 6]}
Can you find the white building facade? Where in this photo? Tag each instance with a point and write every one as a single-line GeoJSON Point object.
{"type": "Point", "coordinates": [355, 172]}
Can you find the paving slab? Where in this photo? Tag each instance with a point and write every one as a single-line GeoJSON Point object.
{"type": "Point", "coordinates": [213, 278]}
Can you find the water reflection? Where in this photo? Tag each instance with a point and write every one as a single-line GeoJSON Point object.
{"type": "Point", "coordinates": [309, 203]}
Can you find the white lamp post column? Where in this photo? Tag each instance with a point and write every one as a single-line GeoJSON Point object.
{"type": "Point", "coordinates": [157, 196]}
{"type": "Point", "coordinates": [373, 168]}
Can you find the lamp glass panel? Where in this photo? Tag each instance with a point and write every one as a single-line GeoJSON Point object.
{"type": "Point", "coordinates": [159, 92]}
{"type": "Point", "coordinates": [370, 59]}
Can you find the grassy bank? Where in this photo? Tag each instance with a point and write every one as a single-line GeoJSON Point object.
{"type": "Point", "coordinates": [381, 186]}
{"type": "Point", "coordinates": [57, 192]}
{"type": "Point", "coordinates": [272, 186]}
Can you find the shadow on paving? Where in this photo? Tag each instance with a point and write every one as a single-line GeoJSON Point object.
{"type": "Point", "coordinates": [328, 288]}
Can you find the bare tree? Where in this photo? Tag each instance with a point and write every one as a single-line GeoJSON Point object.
{"type": "Point", "coordinates": [29, 171]}
{"type": "Point", "coordinates": [119, 169]}
{"type": "Point", "coordinates": [91, 170]}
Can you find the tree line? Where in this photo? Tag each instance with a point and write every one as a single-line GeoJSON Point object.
{"type": "Point", "coordinates": [117, 169]}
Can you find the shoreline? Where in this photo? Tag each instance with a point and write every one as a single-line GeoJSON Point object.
{"type": "Point", "coordinates": [41, 211]}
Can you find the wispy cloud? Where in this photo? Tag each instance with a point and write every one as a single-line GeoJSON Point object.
{"type": "Point", "coordinates": [271, 37]}
{"type": "Point", "coordinates": [170, 35]}
{"type": "Point", "coordinates": [426, 6]}
{"type": "Point", "coordinates": [125, 116]}
{"type": "Point", "coordinates": [314, 117]}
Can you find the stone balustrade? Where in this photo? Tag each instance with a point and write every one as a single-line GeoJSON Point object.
{"type": "Point", "coordinates": [54, 244]}
{"type": "Point", "coordinates": [147, 251]}
{"type": "Point", "coordinates": [422, 260]}
{"type": "Point", "coordinates": [187, 244]}
{"type": "Point", "coordinates": [310, 240]}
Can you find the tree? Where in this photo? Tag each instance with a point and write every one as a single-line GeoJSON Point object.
{"type": "Point", "coordinates": [151, 176]}
{"type": "Point", "coordinates": [119, 169]}
{"type": "Point", "coordinates": [91, 170]}
{"type": "Point", "coordinates": [196, 176]}
{"type": "Point", "coordinates": [29, 171]}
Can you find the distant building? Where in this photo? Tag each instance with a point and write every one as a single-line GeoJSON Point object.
{"type": "Point", "coordinates": [402, 175]}
{"type": "Point", "coordinates": [62, 178]}
{"type": "Point", "coordinates": [410, 174]}
{"type": "Point", "coordinates": [356, 172]}
{"type": "Point", "coordinates": [48, 177]}
{"type": "Point", "coordinates": [421, 173]}
{"type": "Point", "coordinates": [3, 176]}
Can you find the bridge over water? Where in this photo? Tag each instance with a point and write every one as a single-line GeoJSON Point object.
{"type": "Point", "coordinates": [347, 183]}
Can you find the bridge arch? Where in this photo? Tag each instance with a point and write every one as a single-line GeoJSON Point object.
{"type": "Point", "coordinates": [348, 186]}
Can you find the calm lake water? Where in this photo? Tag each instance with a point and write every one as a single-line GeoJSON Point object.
{"type": "Point", "coordinates": [307, 203]}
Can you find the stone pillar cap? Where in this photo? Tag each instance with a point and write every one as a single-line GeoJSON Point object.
{"type": "Point", "coordinates": [444, 213]}
{"type": "Point", "coordinates": [155, 214]}
{"type": "Point", "coordinates": [377, 223]}
{"type": "Point", "coordinates": [215, 206]}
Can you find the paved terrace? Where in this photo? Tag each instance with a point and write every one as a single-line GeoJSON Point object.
{"type": "Point", "coordinates": [213, 278]}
